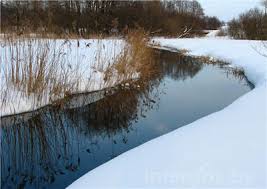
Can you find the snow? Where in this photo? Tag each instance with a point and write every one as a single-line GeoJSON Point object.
{"type": "Point", "coordinates": [225, 149]}
{"type": "Point", "coordinates": [85, 59]}
{"type": "Point", "coordinates": [212, 33]}
{"type": "Point", "coordinates": [241, 53]}
{"type": "Point", "coordinates": [215, 33]}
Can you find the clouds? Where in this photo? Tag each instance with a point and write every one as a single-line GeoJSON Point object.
{"type": "Point", "coordinates": [227, 9]}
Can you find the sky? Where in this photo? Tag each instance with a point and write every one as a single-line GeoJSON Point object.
{"type": "Point", "coordinates": [227, 9]}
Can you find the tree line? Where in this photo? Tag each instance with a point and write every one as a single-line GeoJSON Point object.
{"type": "Point", "coordinates": [85, 17]}
{"type": "Point", "coordinates": [250, 25]}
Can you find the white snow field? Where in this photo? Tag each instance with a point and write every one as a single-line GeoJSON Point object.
{"type": "Point", "coordinates": [225, 149]}
{"type": "Point", "coordinates": [83, 60]}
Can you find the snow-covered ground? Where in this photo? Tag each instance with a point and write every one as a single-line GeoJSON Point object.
{"type": "Point", "coordinates": [225, 149]}
{"type": "Point", "coordinates": [84, 61]}
{"type": "Point", "coordinates": [212, 34]}
{"type": "Point", "coordinates": [216, 33]}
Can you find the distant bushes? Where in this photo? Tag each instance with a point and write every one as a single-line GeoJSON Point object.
{"type": "Point", "coordinates": [249, 25]}
{"type": "Point", "coordinates": [212, 23]}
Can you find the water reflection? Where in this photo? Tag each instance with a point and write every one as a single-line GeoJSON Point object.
{"type": "Point", "coordinates": [52, 147]}
{"type": "Point", "coordinates": [179, 67]}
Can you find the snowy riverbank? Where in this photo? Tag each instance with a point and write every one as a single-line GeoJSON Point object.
{"type": "Point", "coordinates": [81, 61]}
{"type": "Point", "coordinates": [225, 149]}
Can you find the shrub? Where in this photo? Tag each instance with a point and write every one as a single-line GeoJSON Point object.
{"type": "Point", "coordinates": [249, 25]}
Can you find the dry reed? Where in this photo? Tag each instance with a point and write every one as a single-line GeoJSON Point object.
{"type": "Point", "coordinates": [40, 71]}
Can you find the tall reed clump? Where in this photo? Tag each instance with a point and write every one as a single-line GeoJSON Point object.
{"type": "Point", "coordinates": [39, 71]}
{"type": "Point", "coordinates": [136, 60]}
{"type": "Point", "coordinates": [36, 70]}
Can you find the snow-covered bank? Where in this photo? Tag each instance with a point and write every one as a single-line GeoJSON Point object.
{"type": "Point", "coordinates": [240, 53]}
{"type": "Point", "coordinates": [81, 61]}
{"type": "Point", "coordinates": [226, 149]}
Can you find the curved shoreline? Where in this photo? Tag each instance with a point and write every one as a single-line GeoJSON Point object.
{"type": "Point", "coordinates": [225, 145]}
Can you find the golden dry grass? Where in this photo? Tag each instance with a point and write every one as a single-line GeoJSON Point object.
{"type": "Point", "coordinates": [136, 60]}
{"type": "Point", "coordinates": [37, 67]}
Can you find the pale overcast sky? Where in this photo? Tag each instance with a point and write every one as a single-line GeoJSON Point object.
{"type": "Point", "coordinates": [227, 9]}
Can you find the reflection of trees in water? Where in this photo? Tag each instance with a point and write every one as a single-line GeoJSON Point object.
{"type": "Point", "coordinates": [48, 144]}
{"type": "Point", "coordinates": [179, 67]}
{"type": "Point", "coordinates": [38, 149]}
{"type": "Point", "coordinates": [32, 151]}
{"type": "Point", "coordinates": [239, 74]}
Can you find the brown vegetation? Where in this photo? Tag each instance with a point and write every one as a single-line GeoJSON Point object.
{"type": "Point", "coordinates": [39, 69]}
{"type": "Point", "coordinates": [84, 18]}
{"type": "Point", "coordinates": [136, 60]}
{"type": "Point", "coordinates": [249, 25]}
{"type": "Point", "coordinates": [37, 66]}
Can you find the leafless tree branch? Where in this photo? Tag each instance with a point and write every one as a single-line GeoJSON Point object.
{"type": "Point", "coordinates": [185, 32]}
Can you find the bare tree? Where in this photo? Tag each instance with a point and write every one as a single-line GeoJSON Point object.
{"type": "Point", "coordinates": [84, 17]}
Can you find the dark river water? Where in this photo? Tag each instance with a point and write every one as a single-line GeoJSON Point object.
{"type": "Point", "coordinates": [54, 146]}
